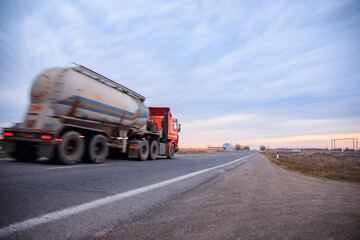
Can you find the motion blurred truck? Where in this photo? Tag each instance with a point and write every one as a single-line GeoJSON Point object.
{"type": "Point", "coordinates": [77, 114]}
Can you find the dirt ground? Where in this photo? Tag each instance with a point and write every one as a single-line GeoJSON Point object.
{"type": "Point", "coordinates": [256, 200]}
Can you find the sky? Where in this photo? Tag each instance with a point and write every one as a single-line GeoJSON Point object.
{"type": "Point", "coordinates": [273, 73]}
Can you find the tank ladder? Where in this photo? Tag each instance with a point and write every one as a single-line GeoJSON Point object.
{"type": "Point", "coordinates": [98, 77]}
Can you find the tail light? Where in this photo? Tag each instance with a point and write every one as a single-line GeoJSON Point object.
{"type": "Point", "coordinates": [8, 134]}
{"type": "Point", "coordinates": [46, 137]}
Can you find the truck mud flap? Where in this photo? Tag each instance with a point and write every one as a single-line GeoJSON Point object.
{"type": "Point", "coordinates": [133, 149]}
{"type": "Point", "coordinates": [45, 150]}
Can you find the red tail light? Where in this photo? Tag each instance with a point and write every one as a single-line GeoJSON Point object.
{"type": "Point", "coordinates": [46, 137]}
{"type": "Point", "coordinates": [8, 134]}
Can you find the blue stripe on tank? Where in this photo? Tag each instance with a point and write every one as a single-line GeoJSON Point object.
{"type": "Point", "coordinates": [95, 106]}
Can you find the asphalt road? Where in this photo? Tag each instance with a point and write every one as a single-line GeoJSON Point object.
{"type": "Point", "coordinates": [46, 201]}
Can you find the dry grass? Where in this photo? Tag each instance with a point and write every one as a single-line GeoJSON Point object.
{"type": "Point", "coordinates": [333, 165]}
{"type": "Point", "coordinates": [4, 155]}
{"type": "Point", "coordinates": [195, 151]}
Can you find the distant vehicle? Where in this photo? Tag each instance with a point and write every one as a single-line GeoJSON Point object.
{"type": "Point", "coordinates": [296, 150]}
{"type": "Point", "coordinates": [77, 114]}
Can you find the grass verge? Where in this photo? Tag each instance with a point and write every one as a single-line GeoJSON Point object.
{"type": "Point", "coordinates": [4, 155]}
{"type": "Point", "coordinates": [343, 166]}
{"type": "Point", "coordinates": [183, 151]}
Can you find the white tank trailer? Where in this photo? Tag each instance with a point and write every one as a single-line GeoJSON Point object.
{"type": "Point", "coordinates": [76, 113]}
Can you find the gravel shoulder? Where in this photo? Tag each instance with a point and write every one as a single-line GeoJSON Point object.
{"type": "Point", "coordinates": [256, 200]}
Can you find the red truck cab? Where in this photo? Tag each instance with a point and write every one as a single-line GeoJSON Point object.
{"type": "Point", "coordinates": [168, 127]}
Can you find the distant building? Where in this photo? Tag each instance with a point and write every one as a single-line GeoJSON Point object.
{"type": "Point", "coordinates": [229, 147]}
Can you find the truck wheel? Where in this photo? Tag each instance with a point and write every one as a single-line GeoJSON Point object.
{"type": "Point", "coordinates": [97, 149]}
{"type": "Point", "coordinates": [172, 152]}
{"type": "Point", "coordinates": [154, 150]}
{"type": "Point", "coordinates": [143, 150]}
{"type": "Point", "coordinates": [71, 148]}
{"type": "Point", "coordinates": [24, 152]}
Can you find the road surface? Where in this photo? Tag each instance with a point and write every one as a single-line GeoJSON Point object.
{"type": "Point", "coordinates": [46, 201]}
{"type": "Point", "coordinates": [256, 200]}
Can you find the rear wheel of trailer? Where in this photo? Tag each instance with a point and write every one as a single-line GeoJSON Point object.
{"type": "Point", "coordinates": [71, 148]}
{"type": "Point", "coordinates": [96, 149]}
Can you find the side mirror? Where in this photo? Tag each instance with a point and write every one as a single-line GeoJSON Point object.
{"type": "Point", "coordinates": [179, 127]}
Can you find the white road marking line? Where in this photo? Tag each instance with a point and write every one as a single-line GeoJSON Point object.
{"type": "Point", "coordinates": [21, 226]}
{"type": "Point", "coordinates": [78, 166]}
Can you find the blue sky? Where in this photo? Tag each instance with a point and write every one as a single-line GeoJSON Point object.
{"type": "Point", "coordinates": [253, 72]}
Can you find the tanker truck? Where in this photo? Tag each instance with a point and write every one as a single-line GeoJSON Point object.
{"type": "Point", "coordinates": [76, 114]}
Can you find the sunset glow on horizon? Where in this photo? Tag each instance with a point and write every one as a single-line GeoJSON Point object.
{"type": "Point", "coordinates": [309, 141]}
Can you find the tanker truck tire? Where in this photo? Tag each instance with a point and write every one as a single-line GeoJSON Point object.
{"type": "Point", "coordinates": [143, 150]}
{"type": "Point", "coordinates": [172, 152]}
{"type": "Point", "coordinates": [96, 149]}
{"type": "Point", "coordinates": [71, 148]}
{"type": "Point", "coordinates": [24, 152]}
{"type": "Point", "coordinates": [154, 150]}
